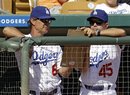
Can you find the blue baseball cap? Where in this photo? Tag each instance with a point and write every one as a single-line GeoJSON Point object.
{"type": "Point", "coordinates": [100, 14]}
{"type": "Point", "coordinates": [41, 12]}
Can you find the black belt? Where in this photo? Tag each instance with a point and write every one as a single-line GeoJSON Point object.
{"type": "Point", "coordinates": [96, 88]}
{"type": "Point", "coordinates": [44, 93]}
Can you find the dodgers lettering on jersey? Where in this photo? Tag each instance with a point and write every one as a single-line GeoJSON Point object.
{"type": "Point", "coordinates": [43, 57]}
{"type": "Point", "coordinates": [98, 57]}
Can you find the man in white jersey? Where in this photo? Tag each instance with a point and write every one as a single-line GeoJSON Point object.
{"type": "Point", "coordinates": [45, 60]}
{"type": "Point", "coordinates": [113, 7]}
{"type": "Point", "coordinates": [100, 79]}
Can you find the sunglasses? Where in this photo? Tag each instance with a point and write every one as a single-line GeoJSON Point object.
{"type": "Point", "coordinates": [46, 21]}
{"type": "Point", "coordinates": [98, 22]}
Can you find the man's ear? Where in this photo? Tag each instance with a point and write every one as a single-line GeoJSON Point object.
{"type": "Point", "coordinates": [32, 21]}
{"type": "Point", "coordinates": [106, 25]}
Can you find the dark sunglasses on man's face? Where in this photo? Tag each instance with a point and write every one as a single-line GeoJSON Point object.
{"type": "Point", "coordinates": [98, 22]}
{"type": "Point", "coordinates": [46, 21]}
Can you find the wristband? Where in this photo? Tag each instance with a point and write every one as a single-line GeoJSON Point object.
{"type": "Point", "coordinates": [97, 32]}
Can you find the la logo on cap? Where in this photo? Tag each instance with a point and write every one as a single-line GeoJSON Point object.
{"type": "Point", "coordinates": [95, 12]}
{"type": "Point", "coordinates": [47, 11]}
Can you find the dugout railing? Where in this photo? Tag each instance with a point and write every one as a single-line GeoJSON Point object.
{"type": "Point", "coordinates": [26, 43]}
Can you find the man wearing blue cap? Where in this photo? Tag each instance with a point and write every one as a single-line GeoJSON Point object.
{"type": "Point", "coordinates": [100, 79]}
{"type": "Point", "coordinates": [45, 60]}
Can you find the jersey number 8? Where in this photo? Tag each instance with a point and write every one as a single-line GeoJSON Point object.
{"type": "Point", "coordinates": [54, 70]}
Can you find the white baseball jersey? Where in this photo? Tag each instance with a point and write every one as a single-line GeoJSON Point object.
{"type": "Point", "coordinates": [103, 68]}
{"type": "Point", "coordinates": [122, 8]}
{"type": "Point", "coordinates": [43, 67]}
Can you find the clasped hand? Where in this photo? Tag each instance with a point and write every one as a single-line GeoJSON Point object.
{"type": "Point", "coordinates": [88, 31]}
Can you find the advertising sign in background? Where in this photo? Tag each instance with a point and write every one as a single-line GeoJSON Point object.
{"type": "Point", "coordinates": [15, 21]}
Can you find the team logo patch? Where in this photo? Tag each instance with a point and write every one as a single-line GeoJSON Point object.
{"type": "Point", "coordinates": [47, 11]}
{"type": "Point", "coordinates": [95, 12]}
